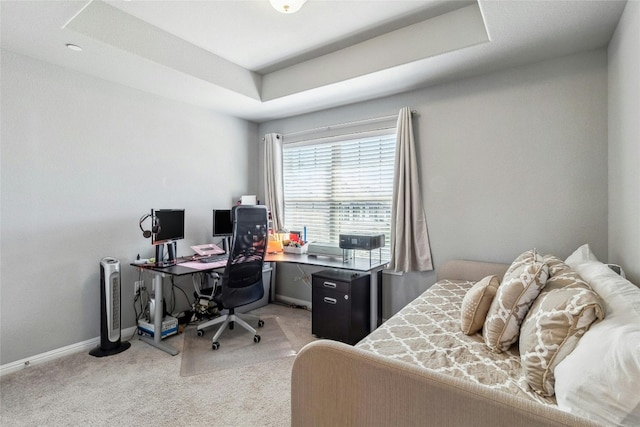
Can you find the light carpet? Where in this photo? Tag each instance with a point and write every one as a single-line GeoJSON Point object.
{"type": "Point", "coordinates": [237, 347]}
{"type": "Point", "coordinates": [143, 386]}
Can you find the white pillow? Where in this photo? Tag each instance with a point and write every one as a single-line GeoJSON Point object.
{"type": "Point", "coordinates": [599, 379]}
{"type": "Point", "coordinates": [581, 255]}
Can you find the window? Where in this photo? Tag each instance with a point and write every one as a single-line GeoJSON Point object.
{"type": "Point", "coordinates": [343, 185]}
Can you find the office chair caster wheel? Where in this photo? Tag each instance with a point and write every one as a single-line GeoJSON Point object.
{"type": "Point", "coordinates": [200, 332]}
{"type": "Point", "coordinates": [260, 323]}
{"type": "Point", "coordinates": [256, 339]}
{"type": "Point", "coordinates": [215, 345]}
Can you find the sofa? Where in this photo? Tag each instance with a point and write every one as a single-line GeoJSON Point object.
{"type": "Point", "coordinates": [432, 364]}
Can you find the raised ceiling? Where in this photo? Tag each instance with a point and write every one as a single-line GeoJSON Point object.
{"type": "Point", "coordinates": [245, 59]}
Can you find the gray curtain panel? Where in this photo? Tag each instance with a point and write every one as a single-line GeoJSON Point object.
{"type": "Point", "coordinates": [273, 182]}
{"type": "Point", "coordinates": [410, 250]}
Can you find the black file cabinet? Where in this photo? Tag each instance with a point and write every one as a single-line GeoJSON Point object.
{"type": "Point", "coordinates": [341, 309]}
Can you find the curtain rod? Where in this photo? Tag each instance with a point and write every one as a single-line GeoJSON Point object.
{"type": "Point", "coordinates": [342, 125]}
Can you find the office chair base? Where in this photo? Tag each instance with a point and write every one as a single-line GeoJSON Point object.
{"type": "Point", "coordinates": [226, 320]}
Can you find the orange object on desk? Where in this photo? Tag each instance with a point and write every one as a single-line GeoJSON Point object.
{"type": "Point", "coordinates": [274, 246]}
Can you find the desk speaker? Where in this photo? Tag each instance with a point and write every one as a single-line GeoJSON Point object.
{"type": "Point", "coordinates": [109, 310]}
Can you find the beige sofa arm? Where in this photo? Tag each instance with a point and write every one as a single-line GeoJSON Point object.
{"type": "Point", "coordinates": [334, 384]}
{"type": "Point", "coordinates": [470, 270]}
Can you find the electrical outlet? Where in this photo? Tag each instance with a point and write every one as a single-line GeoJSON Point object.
{"type": "Point", "coordinates": [137, 286]}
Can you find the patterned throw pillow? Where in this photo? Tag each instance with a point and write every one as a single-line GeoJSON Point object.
{"type": "Point", "coordinates": [556, 266]}
{"type": "Point", "coordinates": [476, 303]}
{"type": "Point", "coordinates": [561, 275]}
{"type": "Point", "coordinates": [520, 286]}
{"type": "Point", "coordinates": [551, 330]}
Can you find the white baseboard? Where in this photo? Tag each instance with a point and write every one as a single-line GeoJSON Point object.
{"type": "Point", "coordinates": [58, 353]}
{"type": "Point", "coordinates": [294, 301]}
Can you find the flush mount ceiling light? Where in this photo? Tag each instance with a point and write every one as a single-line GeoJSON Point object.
{"type": "Point", "coordinates": [287, 6]}
{"type": "Point", "coordinates": [74, 47]}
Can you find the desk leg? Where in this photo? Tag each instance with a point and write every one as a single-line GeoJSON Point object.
{"type": "Point", "coordinates": [272, 285]}
{"type": "Point", "coordinates": [156, 341]}
{"type": "Point", "coordinates": [374, 300]}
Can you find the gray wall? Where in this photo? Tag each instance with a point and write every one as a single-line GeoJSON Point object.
{"type": "Point", "coordinates": [509, 161]}
{"type": "Point", "coordinates": [624, 143]}
{"type": "Point", "coordinates": [82, 160]}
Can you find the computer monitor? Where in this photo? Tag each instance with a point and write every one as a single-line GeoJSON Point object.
{"type": "Point", "coordinates": [170, 223]}
{"type": "Point", "coordinates": [222, 223]}
{"type": "Point", "coordinates": [223, 226]}
{"type": "Point", "coordinates": [168, 227]}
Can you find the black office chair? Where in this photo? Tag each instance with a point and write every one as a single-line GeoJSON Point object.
{"type": "Point", "coordinates": [241, 282]}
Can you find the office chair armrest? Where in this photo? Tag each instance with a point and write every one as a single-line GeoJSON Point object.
{"type": "Point", "coordinates": [209, 291]}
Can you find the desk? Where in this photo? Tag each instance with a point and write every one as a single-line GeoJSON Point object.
{"type": "Point", "coordinates": [355, 264]}
{"type": "Point", "coordinates": [160, 273]}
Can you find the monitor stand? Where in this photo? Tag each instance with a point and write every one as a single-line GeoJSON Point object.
{"type": "Point", "coordinates": [226, 246]}
{"type": "Point", "coordinates": [171, 249]}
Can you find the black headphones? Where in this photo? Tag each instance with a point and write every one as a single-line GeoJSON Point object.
{"type": "Point", "coordinates": [155, 227]}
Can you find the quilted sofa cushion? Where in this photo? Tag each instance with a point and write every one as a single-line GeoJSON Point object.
{"type": "Point", "coordinates": [520, 286]}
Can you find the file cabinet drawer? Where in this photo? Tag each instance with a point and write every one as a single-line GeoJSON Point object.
{"type": "Point", "coordinates": [330, 314]}
{"type": "Point", "coordinates": [330, 284]}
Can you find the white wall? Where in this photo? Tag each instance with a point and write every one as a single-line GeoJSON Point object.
{"type": "Point", "coordinates": [624, 143]}
{"type": "Point", "coordinates": [509, 161]}
{"type": "Point", "coordinates": [82, 160]}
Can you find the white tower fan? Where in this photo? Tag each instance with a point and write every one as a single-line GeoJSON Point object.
{"type": "Point", "coordinates": [109, 310]}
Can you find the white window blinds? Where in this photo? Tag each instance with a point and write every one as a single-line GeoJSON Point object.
{"type": "Point", "coordinates": [343, 185]}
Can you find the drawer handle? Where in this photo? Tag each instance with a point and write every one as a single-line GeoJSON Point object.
{"type": "Point", "coordinates": [330, 300]}
{"type": "Point", "coordinates": [329, 285]}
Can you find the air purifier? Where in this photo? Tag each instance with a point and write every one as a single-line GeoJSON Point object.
{"type": "Point", "coordinates": [109, 310]}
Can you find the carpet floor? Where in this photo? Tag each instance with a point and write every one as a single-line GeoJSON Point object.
{"type": "Point", "coordinates": [237, 347]}
{"type": "Point", "coordinates": [144, 386]}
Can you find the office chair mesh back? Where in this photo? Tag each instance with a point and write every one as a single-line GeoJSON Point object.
{"type": "Point", "coordinates": [242, 278]}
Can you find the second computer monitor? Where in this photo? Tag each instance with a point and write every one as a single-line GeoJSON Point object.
{"type": "Point", "coordinates": [222, 223]}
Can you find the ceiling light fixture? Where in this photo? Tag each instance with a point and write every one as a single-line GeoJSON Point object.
{"type": "Point", "coordinates": [74, 47]}
{"type": "Point", "coordinates": [287, 6]}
